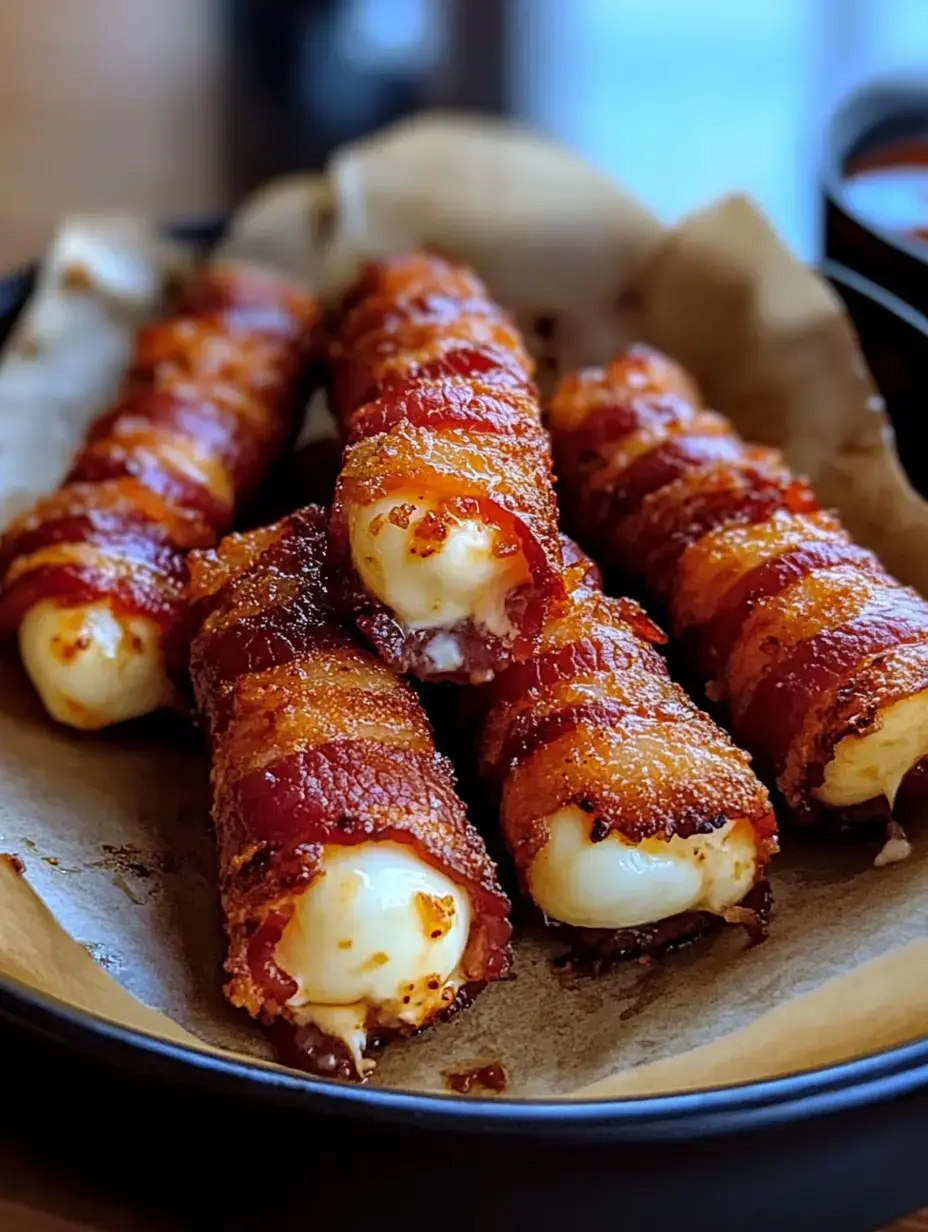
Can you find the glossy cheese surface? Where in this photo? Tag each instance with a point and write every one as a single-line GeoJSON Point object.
{"type": "Point", "coordinates": [616, 884]}
{"type": "Point", "coordinates": [91, 666]}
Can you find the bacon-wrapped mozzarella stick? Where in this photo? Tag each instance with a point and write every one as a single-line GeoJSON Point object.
{"type": "Point", "coordinates": [631, 816]}
{"type": "Point", "coordinates": [359, 901]}
{"type": "Point", "coordinates": [93, 575]}
{"type": "Point", "coordinates": [819, 654]}
{"type": "Point", "coordinates": [445, 507]}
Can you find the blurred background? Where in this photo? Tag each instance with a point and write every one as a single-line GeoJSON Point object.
{"type": "Point", "coordinates": [180, 106]}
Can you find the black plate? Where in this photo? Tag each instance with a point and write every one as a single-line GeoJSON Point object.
{"type": "Point", "coordinates": [894, 339]}
{"type": "Point", "coordinates": [839, 1147]}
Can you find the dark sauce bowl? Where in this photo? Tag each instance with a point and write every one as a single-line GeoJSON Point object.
{"type": "Point", "coordinates": [881, 134]}
{"type": "Point", "coordinates": [210, 1141]}
{"type": "Point", "coordinates": [894, 340]}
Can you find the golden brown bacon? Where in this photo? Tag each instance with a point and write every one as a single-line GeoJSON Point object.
{"type": "Point", "coordinates": [416, 317]}
{"type": "Point", "coordinates": [434, 391]}
{"type": "Point", "coordinates": [315, 743]}
{"type": "Point", "coordinates": [207, 404]}
{"type": "Point", "coordinates": [803, 634]}
{"type": "Point", "coordinates": [595, 722]}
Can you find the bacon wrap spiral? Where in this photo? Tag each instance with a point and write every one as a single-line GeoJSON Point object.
{"type": "Point", "coordinates": [207, 404]}
{"type": "Point", "coordinates": [801, 633]}
{"type": "Point", "coordinates": [433, 388]}
{"type": "Point", "coordinates": [314, 741]}
{"type": "Point", "coordinates": [595, 720]}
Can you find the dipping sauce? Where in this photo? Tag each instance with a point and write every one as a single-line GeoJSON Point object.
{"type": "Point", "coordinates": [888, 188]}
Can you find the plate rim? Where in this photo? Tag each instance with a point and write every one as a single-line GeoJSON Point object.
{"type": "Point", "coordinates": [880, 1076]}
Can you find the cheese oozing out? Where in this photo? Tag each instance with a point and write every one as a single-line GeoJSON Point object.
{"type": "Point", "coordinates": [429, 583]}
{"type": "Point", "coordinates": [617, 884]}
{"type": "Point", "coordinates": [376, 939]}
{"type": "Point", "coordinates": [895, 849]}
{"type": "Point", "coordinates": [874, 763]}
{"type": "Point", "coordinates": [92, 667]}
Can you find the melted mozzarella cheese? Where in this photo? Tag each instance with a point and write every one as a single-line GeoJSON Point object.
{"type": "Point", "coordinates": [93, 668]}
{"type": "Point", "coordinates": [378, 936]}
{"type": "Point", "coordinates": [874, 763]}
{"type": "Point", "coordinates": [616, 884]}
{"type": "Point", "coordinates": [445, 652]}
{"type": "Point", "coordinates": [895, 849]}
{"type": "Point", "coordinates": [461, 578]}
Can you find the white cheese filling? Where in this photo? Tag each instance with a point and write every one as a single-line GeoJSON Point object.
{"type": "Point", "coordinates": [91, 667]}
{"type": "Point", "coordinates": [378, 936]}
{"type": "Point", "coordinates": [433, 584]}
{"type": "Point", "coordinates": [874, 763]}
{"type": "Point", "coordinates": [616, 884]}
{"type": "Point", "coordinates": [895, 849]}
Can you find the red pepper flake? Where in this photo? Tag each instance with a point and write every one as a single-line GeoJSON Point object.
{"type": "Point", "coordinates": [400, 515]}
{"type": "Point", "coordinates": [432, 527]}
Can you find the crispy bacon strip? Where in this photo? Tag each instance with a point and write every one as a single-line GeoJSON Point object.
{"type": "Point", "coordinates": [206, 406]}
{"type": "Point", "coordinates": [446, 462]}
{"type": "Point", "coordinates": [595, 723]}
{"type": "Point", "coordinates": [315, 745]}
{"type": "Point", "coordinates": [804, 635]}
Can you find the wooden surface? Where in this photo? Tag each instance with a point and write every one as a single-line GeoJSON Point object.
{"type": "Point", "coordinates": [34, 1199]}
{"type": "Point", "coordinates": [103, 103]}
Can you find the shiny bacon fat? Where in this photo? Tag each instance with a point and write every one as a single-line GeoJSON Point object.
{"type": "Point", "coordinates": [631, 816]}
{"type": "Point", "coordinates": [820, 656]}
{"type": "Point", "coordinates": [93, 575]}
{"type": "Point", "coordinates": [359, 901]}
{"type": "Point", "coordinates": [444, 511]}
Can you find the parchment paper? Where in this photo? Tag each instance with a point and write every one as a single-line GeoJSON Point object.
{"type": "Point", "coordinates": [102, 277]}
{"type": "Point", "coordinates": [112, 828]}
